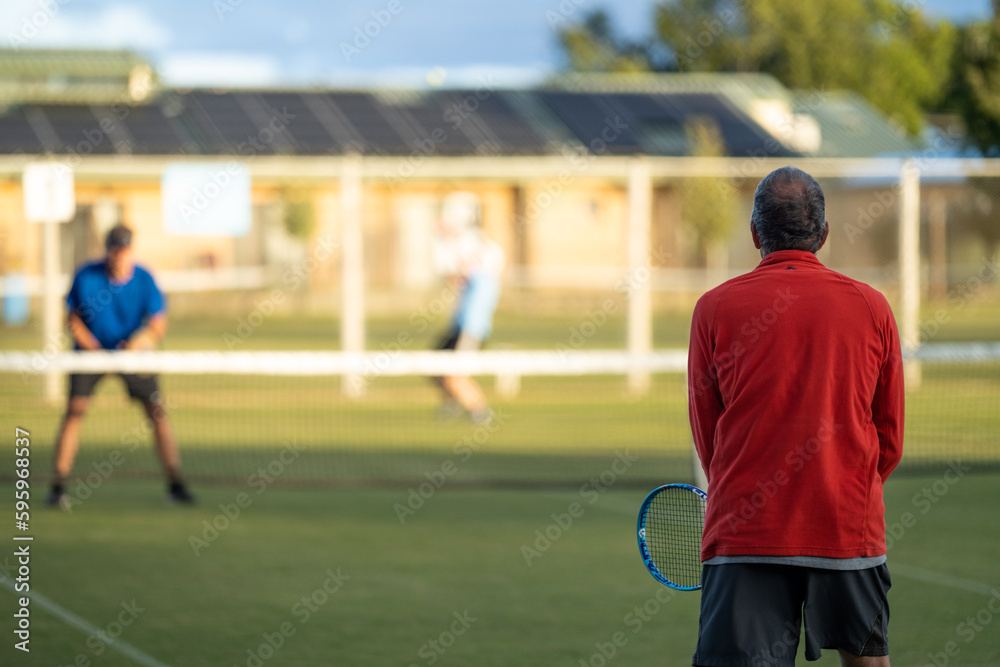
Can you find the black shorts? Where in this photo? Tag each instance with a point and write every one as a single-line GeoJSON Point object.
{"type": "Point", "coordinates": [142, 387]}
{"type": "Point", "coordinates": [751, 613]}
{"type": "Point", "coordinates": [450, 340]}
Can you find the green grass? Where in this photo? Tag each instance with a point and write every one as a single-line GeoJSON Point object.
{"type": "Point", "coordinates": [402, 584]}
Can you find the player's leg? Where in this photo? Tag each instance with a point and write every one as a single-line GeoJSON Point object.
{"type": "Point", "coordinates": [848, 610]}
{"type": "Point", "coordinates": [145, 389]}
{"type": "Point", "coordinates": [849, 660]}
{"type": "Point", "coordinates": [466, 390]}
{"type": "Point", "coordinates": [450, 406]}
{"type": "Point", "coordinates": [81, 386]}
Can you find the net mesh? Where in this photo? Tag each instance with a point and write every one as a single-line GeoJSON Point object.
{"type": "Point", "coordinates": [675, 517]}
{"type": "Point", "coordinates": [283, 424]}
{"type": "Point", "coordinates": [557, 418]}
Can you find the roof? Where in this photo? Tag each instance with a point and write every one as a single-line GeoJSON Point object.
{"type": "Point", "coordinates": [602, 114]}
{"type": "Point", "coordinates": [442, 122]}
{"type": "Point", "coordinates": [73, 76]}
{"type": "Point", "coordinates": [852, 127]}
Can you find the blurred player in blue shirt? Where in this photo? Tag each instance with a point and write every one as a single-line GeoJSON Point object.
{"type": "Point", "coordinates": [115, 305]}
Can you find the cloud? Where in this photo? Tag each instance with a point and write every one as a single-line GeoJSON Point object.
{"type": "Point", "coordinates": [219, 69]}
{"type": "Point", "coordinates": [463, 76]}
{"type": "Point", "coordinates": [116, 26]}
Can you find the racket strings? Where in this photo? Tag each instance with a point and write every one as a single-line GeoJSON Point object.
{"type": "Point", "coordinates": [674, 523]}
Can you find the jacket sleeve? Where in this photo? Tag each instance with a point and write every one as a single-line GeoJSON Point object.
{"type": "Point", "coordinates": [704, 400]}
{"type": "Point", "coordinates": [888, 403]}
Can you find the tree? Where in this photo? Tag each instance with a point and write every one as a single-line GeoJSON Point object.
{"type": "Point", "coordinates": [595, 46]}
{"type": "Point", "coordinates": [975, 92]}
{"type": "Point", "coordinates": [708, 204]}
{"type": "Point", "coordinates": [888, 52]}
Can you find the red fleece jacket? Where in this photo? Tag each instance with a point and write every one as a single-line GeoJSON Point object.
{"type": "Point", "coordinates": [796, 403]}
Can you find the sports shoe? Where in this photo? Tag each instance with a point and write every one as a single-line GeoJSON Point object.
{"type": "Point", "coordinates": [58, 498]}
{"type": "Point", "coordinates": [481, 417]}
{"type": "Point", "coordinates": [450, 409]}
{"type": "Point", "coordinates": [178, 493]}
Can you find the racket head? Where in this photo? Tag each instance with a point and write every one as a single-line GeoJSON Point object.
{"type": "Point", "coordinates": [671, 520]}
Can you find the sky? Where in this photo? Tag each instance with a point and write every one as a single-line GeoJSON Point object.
{"type": "Point", "coordinates": [337, 42]}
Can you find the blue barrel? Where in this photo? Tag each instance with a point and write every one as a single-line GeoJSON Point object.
{"type": "Point", "coordinates": [15, 298]}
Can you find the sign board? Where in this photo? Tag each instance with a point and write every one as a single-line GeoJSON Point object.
{"type": "Point", "coordinates": [48, 192]}
{"type": "Point", "coordinates": [206, 199]}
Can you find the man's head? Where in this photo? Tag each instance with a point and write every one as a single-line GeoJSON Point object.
{"type": "Point", "coordinates": [119, 248]}
{"type": "Point", "coordinates": [789, 212]}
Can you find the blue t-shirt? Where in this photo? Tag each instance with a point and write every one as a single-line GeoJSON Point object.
{"type": "Point", "coordinates": [113, 311]}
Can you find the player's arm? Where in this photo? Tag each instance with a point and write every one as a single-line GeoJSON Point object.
{"type": "Point", "coordinates": [150, 335]}
{"type": "Point", "coordinates": [81, 334]}
{"type": "Point", "coordinates": [888, 403]}
{"type": "Point", "coordinates": [704, 401]}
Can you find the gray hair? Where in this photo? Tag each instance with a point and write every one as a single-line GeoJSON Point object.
{"type": "Point", "coordinates": [789, 211]}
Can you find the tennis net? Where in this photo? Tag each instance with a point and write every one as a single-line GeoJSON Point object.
{"type": "Point", "coordinates": [332, 418]}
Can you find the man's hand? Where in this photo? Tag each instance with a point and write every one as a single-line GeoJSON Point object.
{"type": "Point", "coordinates": [81, 334]}
{"type": "Point", "coordinates": [140, 340]}
{"type": "Point", "coordinates": [147, 337]}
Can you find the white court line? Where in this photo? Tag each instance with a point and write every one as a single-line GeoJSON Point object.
{"type": "Point", "coordinates": [69, 618]}
{"type": "Point", "coordinates": [931, 577]}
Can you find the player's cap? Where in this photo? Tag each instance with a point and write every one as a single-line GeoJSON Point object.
{"type": "Point", "coordinates": [120, 236]}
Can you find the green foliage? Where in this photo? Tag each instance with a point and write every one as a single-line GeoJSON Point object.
{"type": "Point", "coordinates": [298, 213]}
{"type": "Point", "coordinates": [887, 51]}
{"type": "Point", "coordinates": [975, 92]}
{"type": "Point", "coordinates": [593, 46]}
{"type": "Point", "coordinates": [708, 205]}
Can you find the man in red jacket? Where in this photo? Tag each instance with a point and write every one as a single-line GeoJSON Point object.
{"type": "Point", "coordinates": [796, 407]}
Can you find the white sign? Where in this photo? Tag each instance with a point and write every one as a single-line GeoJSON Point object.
{"type": "Point", "coordinates": [206, 199]}
{"type": "Point", "coordinates": [48, 192]}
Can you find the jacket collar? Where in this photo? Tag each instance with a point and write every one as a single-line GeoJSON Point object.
{"type": "Point", "coordinates": [778, 256]}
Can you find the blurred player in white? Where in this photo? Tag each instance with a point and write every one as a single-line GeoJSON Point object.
{"type": "Point", "coordinates": [472, 264]}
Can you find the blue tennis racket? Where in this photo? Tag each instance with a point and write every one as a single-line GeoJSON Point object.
{"type": "Point", "coordinates": [671, 520]}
